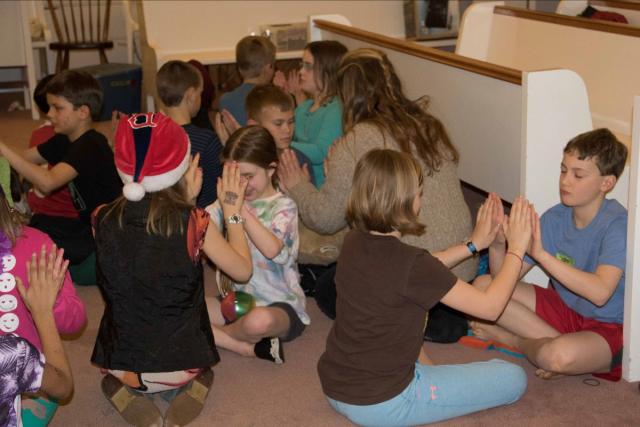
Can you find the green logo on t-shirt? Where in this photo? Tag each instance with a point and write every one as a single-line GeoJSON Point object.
{"type": "Point", "coordinates": [565, 258]}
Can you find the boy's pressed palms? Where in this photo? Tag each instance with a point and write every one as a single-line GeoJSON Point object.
{"type": "Point", "coordinates": [518, 231]}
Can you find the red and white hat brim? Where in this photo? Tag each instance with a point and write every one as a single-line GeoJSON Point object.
{"type": "Point", "coordinates": [135, 191]}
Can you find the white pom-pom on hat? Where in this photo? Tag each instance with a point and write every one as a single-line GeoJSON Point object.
{"type": "Point", "coordinates": [133, 191]}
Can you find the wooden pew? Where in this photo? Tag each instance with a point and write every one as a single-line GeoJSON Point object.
{"type": "Point", "coordinates": [604, 54]}
{"type": "Point", "coordinates": [631, 354]}
{"type": "Point", "coordinates": [630, 10]}
{"type": "Point", "coordinates": [509, 125]}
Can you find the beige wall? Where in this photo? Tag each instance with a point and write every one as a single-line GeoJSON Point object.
{"type": "Point", "coordinates": [213, 25]}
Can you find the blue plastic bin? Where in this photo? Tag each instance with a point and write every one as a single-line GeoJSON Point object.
{"type": "Point", "coordinates": [121, 86]}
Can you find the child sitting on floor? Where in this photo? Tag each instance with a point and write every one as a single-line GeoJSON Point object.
{"type": "Point", "coordinates": [155, 334]}
{"type": "Point", "coordinates": [17, 244]}
{"type": "Point", "coordinates": [271, 222]}
{"type": "Point", "coordinates": [575, 325]}
{"type": "Point", "coordinates": [82, 160]}
{"type": "Point", "coordinates": [319, 119]}
{"type": "Point", "coordinates": [180, 88]}
{"type": "Point", "coordinates": [256, 60]}
{"type": "Point", "coordinates": [58, 203]}
{"type": "Point", "coordinates": [273, 109]}
{"type": "Point", "coordinates": [374, 369]}
{"type": "Point", "coordinates": [24, 369]}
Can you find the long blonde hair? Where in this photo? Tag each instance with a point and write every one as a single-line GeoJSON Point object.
{"type": "Point", "coordinates": [166, 210]}
{"type": "Point", "coordinates": [385, 185]}
{"type": "Point", "coordinates": [11, 221]}
{"type": "Point", "coordinates": [370, 91]}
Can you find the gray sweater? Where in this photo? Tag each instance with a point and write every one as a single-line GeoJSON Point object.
{"type": "Point", "coordinates": [444, 211]}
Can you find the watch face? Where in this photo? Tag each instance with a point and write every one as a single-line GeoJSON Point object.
{"type": "Point", "coordinates": [235, 219]}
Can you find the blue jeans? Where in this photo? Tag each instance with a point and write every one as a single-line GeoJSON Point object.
{"type": "Point", "coordinates": [441, 392]}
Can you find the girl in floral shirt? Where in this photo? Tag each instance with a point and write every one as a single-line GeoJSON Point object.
{"type": "Point", "coordinates": [271, 222]}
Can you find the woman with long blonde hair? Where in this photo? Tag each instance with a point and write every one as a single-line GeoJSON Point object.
{"type": "Point", "coordinates": [377, 114]}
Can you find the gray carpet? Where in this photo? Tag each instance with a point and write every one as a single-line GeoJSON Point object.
{"type": "Point", "coordinates": [251, 392]}
{"type": "Point", "coordinates": [248, 392]}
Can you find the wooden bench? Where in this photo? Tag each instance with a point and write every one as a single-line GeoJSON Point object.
{"type": "Point", "coordinates": [630, 10]}
{"type": "Point", "coordinates": [509, 125]}
{"type": "Point", "coordinates": [604, 54]}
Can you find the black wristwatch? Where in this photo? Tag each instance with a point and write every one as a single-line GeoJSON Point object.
{"type": "Point", "coordinates": [472, 248]}
{"type": "Point", "coordinates": [235, 219]}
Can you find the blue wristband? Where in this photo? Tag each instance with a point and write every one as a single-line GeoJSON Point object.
{"type": "Point", "coordinates": [472, 248]}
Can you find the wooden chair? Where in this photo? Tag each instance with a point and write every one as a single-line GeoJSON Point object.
{"type": "Point", "coordinates": [77, 16]}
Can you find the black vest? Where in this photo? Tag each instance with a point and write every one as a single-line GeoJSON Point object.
{"type": "Point", "coordinates": [155, 318]}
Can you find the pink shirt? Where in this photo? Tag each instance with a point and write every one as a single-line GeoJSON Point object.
{"type": "Point", "coordinates": [15, 318]}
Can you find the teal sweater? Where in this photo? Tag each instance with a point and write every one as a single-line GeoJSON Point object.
{"type": "Point", "coordinates": [315, 132]}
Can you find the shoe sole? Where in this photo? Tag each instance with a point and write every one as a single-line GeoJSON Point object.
{"type": "Point", "coordinates": [136, 410]}
{"type": "Point", "coordinates": [189, 403]}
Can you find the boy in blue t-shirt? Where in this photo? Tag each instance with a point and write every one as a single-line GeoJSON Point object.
{"type": "Point", "coordinates": [575, 325]}
{"type": "Point", "coordinates": [256, 61]}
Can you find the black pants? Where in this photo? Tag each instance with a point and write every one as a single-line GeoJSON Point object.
{"type": "Point", "coordinates": [74, 235]}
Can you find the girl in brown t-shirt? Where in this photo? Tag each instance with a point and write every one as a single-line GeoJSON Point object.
{"type": "Point", "coordinates": [374, 370]}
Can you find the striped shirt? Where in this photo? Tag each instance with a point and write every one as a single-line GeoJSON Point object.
{"type": "Point", "coordinates": [206, 142]}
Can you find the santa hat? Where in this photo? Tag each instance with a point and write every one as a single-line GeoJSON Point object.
{"type": "Point", "coordinates": [151, 153]}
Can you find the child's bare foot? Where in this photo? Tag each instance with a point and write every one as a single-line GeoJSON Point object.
{"type": "Point", "coordinates": [491, 332]}
{"type": "Point", "coordinates": [547, 375]}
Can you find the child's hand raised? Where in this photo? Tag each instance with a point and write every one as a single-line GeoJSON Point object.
{"type": "Point", "coordinates": [45, 275]}
{"type": "Point", "coordinates": [485, 231]}
{"type": "Point", "coordinates": [290, 173]}
{"type": "Point", "coordinates": [193, 178]}
{"type": "Point", "coordinates": [518, 227]}
{"type": "Point", "coordinates": [325, 164]}
{"type": "Point", "coordinates": [225, 124]}
{"type": "Point", "coordinates": [536, 250]}
{"type": "Point", "coordinates": [294, 86]}
{"type": "Point", "coordinates": [280, 80]}
{"type": "Point", "coordinates": [231, 189]}
{"type": "Point", "coordinates": [497, 220]}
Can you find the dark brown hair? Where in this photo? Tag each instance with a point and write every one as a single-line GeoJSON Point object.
{"type": "Point", "coordinates": [385, 185]}
{"type": "Point", "coordinates": [255, 145]}
{"type": "Point", "coordinates": [252, 54]}
{"type": "Point", "coordinates": [370, 91]}
{"type": "Point", "coordinates": [40, 94]}
{"type": "Point", "coordinates": [601, 145]}
{"type": "Point", "coordinates": [327, 55]}
{"type": "Point", "coordinates": [79, 88]}
{"type": "Point", "coordinates": [173, 80]}
{"type": "Point", "coordinates": [263, 96]}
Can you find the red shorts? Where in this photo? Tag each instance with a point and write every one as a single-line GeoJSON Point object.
{"type": "Point", "coordinates": [551, 308]}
